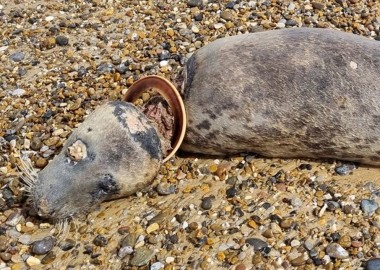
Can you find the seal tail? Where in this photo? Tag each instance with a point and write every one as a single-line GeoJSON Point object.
{"type": "Point", "coordinates": [168, 91]}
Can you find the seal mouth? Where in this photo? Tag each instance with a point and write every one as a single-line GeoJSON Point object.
{"type": "Point", "coordinates": [171, 95]}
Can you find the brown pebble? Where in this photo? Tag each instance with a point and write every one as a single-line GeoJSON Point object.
{"type": "Point", "coordinates": [318, 5]}
{"type": "Point", "coordinates": [36, 144]}
{"type": "Point", "coordinates": [240, 267]}
{"type": "Point", "coordinates": [41, 163]}
{"type": "Point", "coordinates": [226, 15]}
{"type": "Point", "coordinates": [298, 261]}
{"type": "Point", "coordinates": [123, 230]}
{"type": "Point", "coordinates": [5, 256]}
{"type": "Point", "coordinates": [49, 257]}
{"type": "Point", "coordinates": [356, 244]}
{"type": "Point", "coordinates": [286, 223]}
{"type": "Point", "coordinates": [268, 233]}
{"type": "Point", "coordinates": [345, 241]}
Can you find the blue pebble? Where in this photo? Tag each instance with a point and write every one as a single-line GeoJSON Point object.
{"type": "Point", "coordinates": [369, 207]}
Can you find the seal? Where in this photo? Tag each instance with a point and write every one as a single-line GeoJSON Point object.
{"type": "Point", "coordinates": [305, 93]}
{"type": "Point", "coordinates": [294, 93]}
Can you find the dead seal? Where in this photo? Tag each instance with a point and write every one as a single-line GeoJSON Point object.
{"type": "Point", "coordinates": [307, 93]}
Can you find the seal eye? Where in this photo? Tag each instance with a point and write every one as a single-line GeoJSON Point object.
{"type": "Point", "coordinates": [108, 185]}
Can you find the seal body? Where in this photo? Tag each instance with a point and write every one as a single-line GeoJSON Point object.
{"type": "Point", "coordinates": [311, 93]}
{"type": "Point", "coordinates": [113, 153]}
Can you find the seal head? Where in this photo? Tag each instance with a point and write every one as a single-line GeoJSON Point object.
{"type": "Point", "coordinates": [112, 154]}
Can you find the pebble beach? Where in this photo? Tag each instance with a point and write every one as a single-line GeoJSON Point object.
{"type": "Point", "coordinates": [60, 60]}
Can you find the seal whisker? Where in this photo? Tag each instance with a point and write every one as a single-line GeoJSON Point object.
{"type": "Point", "coordinates": [29, 174]}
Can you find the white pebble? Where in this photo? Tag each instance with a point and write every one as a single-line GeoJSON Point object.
{"type": "Point", "coordinates": [32, 261]}
{"type": "Point", "coordinates": [26, 143]}
{"type": "Point", "coordinates": [29, 224]}
{"type": "Point", "coordinates": [49, 18]}
{"type": "Point", "coordinates": [18, 92]}
{"type": "Point", "coordinates": [280, 25]}
{"type": "Point", "coordinates": [157, 266]}
{"type": "Point", "coordinates": [169, 259]}
{"type": "Point", "coordinates": [44, 148]}
{"type": "Point", "coordinates": [164, 63]}
{"type": "Point", "coordinates": [195, 29]}
{"type": "Point", "coordinates": [291, 6]}
{"type": "Point", "coordinates": [3, 48]}
{"type": "Point", "coordinates": [185, 225]}
{"type": "Point", "coordinates": [218, 26]}
{"type": "Point", "coordinates": [295, 243]}
{"type": "Point", "coordinates": [135, 36]}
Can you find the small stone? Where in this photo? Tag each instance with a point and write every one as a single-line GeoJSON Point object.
{"type": "Point", "coordinates": [332, 205]}
{"type": "Point", "coordinates": [164, 63]}
{"type": "Point", "coordinates": [194, 3]}
{"type": "Point", "coordinates": [206, 203]}
{"type": "Point", "coordinates": [345, 241]}
{"type": "Point", "coordinates": [286, 223]}
{"type": "Point", "coordinates": [142, 256]}
{"type": "Point", "coordinates": [124, 251]}
{"type": "Point", "coordinates": [33, 261]}
{"type": "Point", "coordinates": [368, 206]}
{"type": "Point", "coordinates": [14, 218]}
{"type": "Point", "coordinates": [296, 202]}
{"type": "Point", "coordinates": [317, 5]}
{"type": "Point", "coordinates": [218, 26]}
{"type": "Point", "coordinates": [345, 169]}
{"type": "Point", "coordinates": [335, 250]}
{"type": "Point", "coordinates": [305, 166]}
{"type": "Point", "coordinates": [291, 23]}
{"type": "Point", "coordinates": [129, 240]}
{"type": "Point", "coordinates": [62, 40]}
{"type": "Point", "coordinates": [50, 257]}
{"type": "Point", "coordinates": [152, 227]}
{"type": "Point", "coordinates": [231, 192]}
{"type": "Point", "coordinates": [17, 56]}
{"type": "Point", "coordinates": [170, 32]}
{"type": "Point", "coordinates": [198, 17]}
{"type": "Point", "coordinates": [49, 18]}
{"type": "Point", "coordinates": [220, 256]}
{"type": "Point", "coordinates": [291, 6]}
{"type": "Point", "coordinates": [157, 266]}
{"type": "Point", "coordinates": [165, 189]}
{"type": "Point", "coordinates": [169, 259]}
{"type": "Point", "coordinates": [295, 243]}
{"type": "Point", "coordinates": [240, 267]}
{"type": "Point", "coordinates": [256, 243]}
{"type": "Point", "coordinates": [18, 92]}
{"type": "Point", "coordinates": [373, 264]}
{"type": "Point", "coordinates": [48, 43]}
{"type": "Point", "coordinates": [298, 261]}
{"type": "Point", "coordinates": [195, 29]}
{"type": "Point", "coordinates": [43, 246]}
{"type": "Point", "coordinates": [3, 243]}
{"type": "Point", "coordinates": [6, 257]}
{"type": "Point", "coordinates": [67, 244]}
{"type": "Point", "coordinates": [226, 15]}
{"type": "Point", "coordinates": [100, 241]}
{"type": "Point", "coordinates": [41, 163]}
